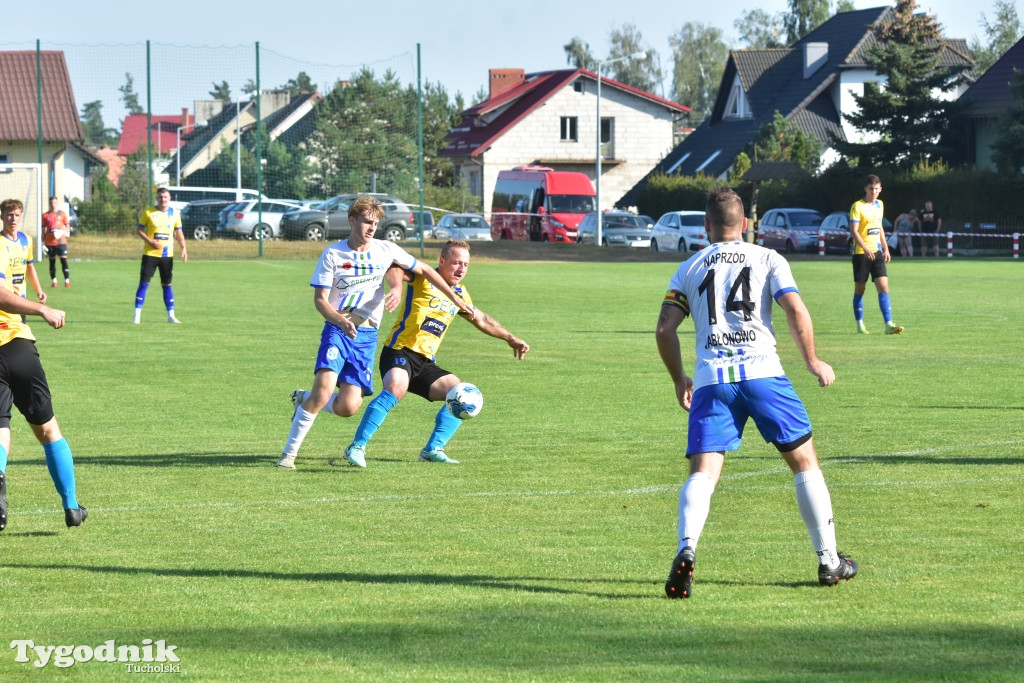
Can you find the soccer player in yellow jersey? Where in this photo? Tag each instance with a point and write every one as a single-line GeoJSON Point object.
{"type": "Point", "coordinates": [158, 225]}
{"type": "Point", "coordinates": [19, 264]}
{"type": "Point", "coordinates": [23, 384]}
{"type": "Point", "coordinates": [870, 254]}
{"type": "Point", "coordinates": [407, 359]}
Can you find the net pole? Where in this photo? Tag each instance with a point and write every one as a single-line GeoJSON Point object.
{"type": "Point", "coordinates": [419, 119]}
{"type": "Point", "coordinates": [149, 124]}
{"type": "Point", "coordinates": [259, 146]}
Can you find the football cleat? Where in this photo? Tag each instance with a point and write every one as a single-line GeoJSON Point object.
{"type": "Point", "coordinates": [436, 455]}
{"type": "Point", "coordinates": [680, 579]}
{"type": "Point", "coordinates": [54, 284]}
{"type": "Point", "coordinates": [893, 328]}
{"type": "Point", "coordinates": [298, 397]}
{"type": "Point", "coordinates": [861, 328]}
{"type": "Point", "coordinates": [75, 516]}
{"type": "Point", "coordinates": [287, 461]}
{"type": "Point", "coordinates": [3, 501]}
{"type": "Point", "coordinates": [356, 455]}
{"type": "Point", "coordinates": [172, 319]}
{"type": "Point", "coordinates": [137, 318]}
{"type": "Point", "coordinates": [67, 284]}
{"type": "Point", "coordinates": [846, 570]}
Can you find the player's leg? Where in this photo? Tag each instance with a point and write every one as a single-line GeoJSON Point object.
{"type": "Point", "coordinates": [166, 276]}
{"type": "Point", "coordinates": [51, 253]}
{"type": "Point", "coordinates": [61, 465]}
{"type": "Point", "coordinates": [5, 447]}
{"type": "Point", "coordinates": [394, 370]}
{"type": "Point", "coordinates": [146, 271]}
{"type": "Point", "coordinates": [880, 276]}
{"type": "Point", "coordinates": [860, 279]}
{"type": "Point", "coordinates": [305, 413]}
{"type": "Point", "coordinates": [64, 265]}
{"type": "Point", "coordinates": [445, 424]}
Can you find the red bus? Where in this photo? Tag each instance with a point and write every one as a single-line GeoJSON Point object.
{"type": "Point", "coordinates": [540, 204]}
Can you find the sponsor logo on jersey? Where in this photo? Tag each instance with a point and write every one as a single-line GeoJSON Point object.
{"type": "Point", "coordinates": [434, 327]}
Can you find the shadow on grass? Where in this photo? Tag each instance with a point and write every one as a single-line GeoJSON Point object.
{"type": "Point", "coordinates": [921, 459]}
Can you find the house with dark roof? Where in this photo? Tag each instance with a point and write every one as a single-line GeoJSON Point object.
{"type": "Point", "coordinates": [285, 117]}
{"type": "Point", "coordinates": [69, 162]}
{"type": "Point", "coordinates": [549, 119]}
{"type": "Point", "coordinates": [810, 83]}
{"type": "Point", "coordinates": [986, 100]}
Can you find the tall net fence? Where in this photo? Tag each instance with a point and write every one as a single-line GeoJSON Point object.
{"type": "Point", "coordinates": [155, 114]}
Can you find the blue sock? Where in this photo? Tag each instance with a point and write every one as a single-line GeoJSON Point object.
{"type": "Point", "coordinates": [883, 303]}
{"type": "Point", "coordinates": [169, 298]}
{"type": "Point", "coordinates": [445, 425]}
{"type": "Point", "coordinates": [858, 307]}
{"type": "Point", "coordinates": [3, 460]}
{"type": "Point", "coordinates": [62, 471]}
{"type": "Point", "coordinates": [140, 294]}
{"type": "Point", "coordinates": [373, 417]}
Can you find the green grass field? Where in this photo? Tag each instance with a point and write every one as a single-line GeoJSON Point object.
{"type": "Point", "coordinates": [543, 555]}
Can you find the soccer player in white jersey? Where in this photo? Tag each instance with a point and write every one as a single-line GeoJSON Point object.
{"type": "Point", "coordinates": [728, 288]}
{"type": "Point", "coordinates": [348, 291]}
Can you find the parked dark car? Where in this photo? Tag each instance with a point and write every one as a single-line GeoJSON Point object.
{"type": "Point", "coordinates": [837, 233]}
{"type": "Point", "coordinates": [426, 225]}
{"type": "Point", "coordinates": [199, 218]}
{"type": "Point", "coordinates": [330, 221]}
{"type": "Point", "coordinates": [790, 230]}
{"type": "Point", "coordinates": [618, 229]}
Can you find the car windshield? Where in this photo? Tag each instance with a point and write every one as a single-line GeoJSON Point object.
{"type": "Point", "coordinates": [623, 222]}
{"type": "Point", "coordinates": [570, 203]}
{"type": "Point", "coordinates": [804, 219]}
{"type": "Point", "coordinates": [692, 219]}
{"type": "Point", "coordinates": [467, 222]}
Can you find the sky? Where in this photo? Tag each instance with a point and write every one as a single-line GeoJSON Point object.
{"type": "Point", "coordinates": [458, 42]}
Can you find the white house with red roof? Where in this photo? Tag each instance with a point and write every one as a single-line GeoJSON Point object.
{"type": "Point", "coordinates": [550, 119]}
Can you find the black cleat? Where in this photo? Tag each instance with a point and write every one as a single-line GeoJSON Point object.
{"type": "Point", "coordinates": [3, 501]}
{"type": "Point", "coordinates": [75, 516]}
{"type": "Point", "coordinates": [680, 579]}
{"type": "Point", "coordinates": [846, 570]}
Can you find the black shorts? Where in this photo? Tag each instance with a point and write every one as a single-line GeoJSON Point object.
{"type": "Point", "coordinates": [422, 371]}
{"type": "Point", "coordinates": [862, 267]}
{"type": "Point", "coordinates": [56, 250]}
{"type": "Point", "coordinates": [23, 383]}
{"type": "Point", "coordinates": [151, 263]}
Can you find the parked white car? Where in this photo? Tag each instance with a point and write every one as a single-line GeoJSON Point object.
{"type": "Point", "coordinates": [243, 219]}
{"type": "Point", "coordinates": [679, 231]}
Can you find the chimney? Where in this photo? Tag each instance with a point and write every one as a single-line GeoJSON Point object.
{"type": "Point", "coordinates": [184, 117]}
{"type": "Point", "coordinates": [815, 56]}
{"type": "Point", "coordinates": [504, 79]}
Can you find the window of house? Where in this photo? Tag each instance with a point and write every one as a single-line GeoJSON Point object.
{"type": "Point", "coordinates": [736, 105]}
{"type": "Point", "coordinates": [607, 137]}
{"type": "Point", "coordinates": [570, 128]}
{"type": "Point", "coordinates": [577, 86]}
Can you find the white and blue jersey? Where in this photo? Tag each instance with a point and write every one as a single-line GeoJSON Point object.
{"type": "Point", "coordinates": [728, 288]}
{"type": "Point", "coordinates": [356, 278]}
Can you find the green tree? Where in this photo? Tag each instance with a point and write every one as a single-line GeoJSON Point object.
{"type": "Point", "coordinates": [222, 92]}
{"type": "Point", "coordinates": [96, 133]}
{"type": "Point", "coordinates": [578, 54]}
{"type": "Point", "coordinates": [644, 74]}
{"type": "Point", "coordinates": [907, 117]}
{"type": "Point", "coordinates": [1008, 150]}
{"type": "Point", "coordinates": [803, 17]}
{"type": "Point", "coordinates": [782, 140]}
{"type": "Point", "coordinates": [129, 96]}
{"type": "Point", "coordinates": [1001, 35]}
{"type": "Point", "coordinates": [760, 30]}
{"type": "Point", "coordinates": [440, 114]}
{"type": "Point", "coordinates": [699, 54]}
{"type": "Point", "coordinates": [300, 84]}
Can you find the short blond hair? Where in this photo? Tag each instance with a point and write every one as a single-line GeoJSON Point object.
{"type": "Point", "coordinates": [363, 204]}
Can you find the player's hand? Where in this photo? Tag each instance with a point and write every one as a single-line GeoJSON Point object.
{"type": "Point", "coordinates": [823, 371]}
{"type": "Point", "coordinates": [684, 393]}
{"type": "Point", "coordinates": [470, 311]}
{"type": "Point", "coordinates": [870, 255]}
{"type": "Point", "coordinates": [41, 295]}
{"type": "Point", "coordinates": [184, 255]}
{"type": "Point", "coordinates": [348, 328]}
{"type": "Point", "coordinates": [519, 347]}
{"type": "Point", "coordinates": [888, 256]}
{"type": "Point", "coordinates": [53, 317]}
{"type": "Point", "coordinates": [392, 298]}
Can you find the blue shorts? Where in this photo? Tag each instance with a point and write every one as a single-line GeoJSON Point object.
{"type": "Point", "coordinates": [351, 359]}
{"type": "Point", "coordinates": [719, 412]}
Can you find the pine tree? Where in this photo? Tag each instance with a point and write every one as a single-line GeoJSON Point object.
{"type": "Point", "coordinates": [906, 116]}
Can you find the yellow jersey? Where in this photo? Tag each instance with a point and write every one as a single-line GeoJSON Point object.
{"type": "Point", "coordinates": [16, 254]}
{"type": "Point", "coordinates": [425, 316]}
{"type": "Point", "coordinates": [869, 217]}
{"type": "Point", "coordinates": [160, 226]}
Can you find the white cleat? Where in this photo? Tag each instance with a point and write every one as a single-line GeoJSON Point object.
{"type": "Point", "coordinates": [287, 461]}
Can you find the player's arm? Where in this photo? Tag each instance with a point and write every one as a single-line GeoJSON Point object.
{"type": "Point", "coordinates": [179, 234]}
{"type": "Point", "coordinates": [857, 239]}
{"type": "Point", "coordinates": [324, 307]}
{"type": "Point", "coordinates": [800, 327]}
{"type": "Point", "coordinates": [881, 240]}
{"type": "Point", "coordinates": [667, 336]}
{"type": "Point", "coordinates": [492, 327]}
{"type": "Point", "coordinates": [140, 229]}
{"type": "Point", "coordinates": [33, 279]}
{"type": "Point", "coordinates": [435, 279]}
{"type": "Point", "coordinates": [395, 276]}
{"type": "Point", "coordinates": [12, 303]}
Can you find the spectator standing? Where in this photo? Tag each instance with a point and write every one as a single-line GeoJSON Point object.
{"type": "Point", "coordinates": [931, 224]}
{"type": "Point", "coordinates": [55, 238]}
{"type": "Point", "coordinates": [907, 223]}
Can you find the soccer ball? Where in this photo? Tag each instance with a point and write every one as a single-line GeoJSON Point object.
{"type": "Point", "coordinates": [464, 401]}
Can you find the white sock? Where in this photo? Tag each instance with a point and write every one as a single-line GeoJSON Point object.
{"type": "Point", "coordinates": [301, 424]}
{"type": "Point", "coordinates": [694, 505]}
{"type": "Point", "coordinates": [815, 505]}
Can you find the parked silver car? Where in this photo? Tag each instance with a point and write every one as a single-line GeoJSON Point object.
{"type": "Point", "coordinates": [245, 220]}
{"type": "Point", "coordinates": [791, 230]}
{"type": "Point", "coordinates": [679, 231]}
{"type": "Point", "coordinates": [618, 229]}
{"type": "Point", "coordinates": [463, 226]}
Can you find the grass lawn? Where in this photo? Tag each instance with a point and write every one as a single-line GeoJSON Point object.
{"type": "Point", "coordinates": [543, 555]}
